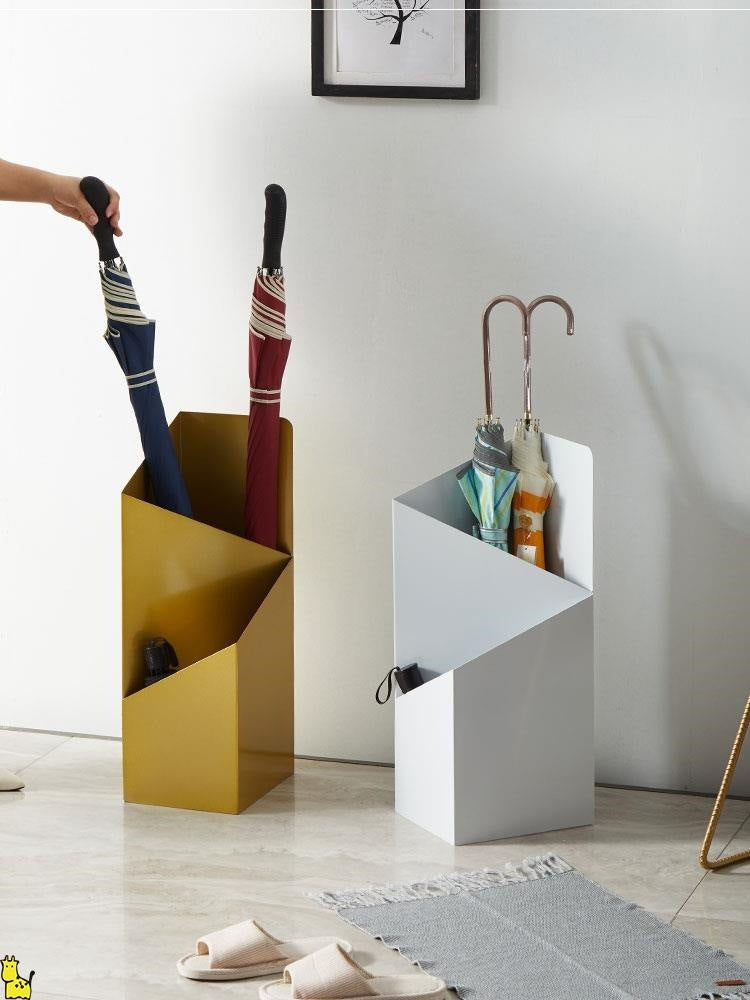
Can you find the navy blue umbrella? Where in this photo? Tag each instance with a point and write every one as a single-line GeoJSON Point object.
{"type": "Point", "coordinates": [131, 336]}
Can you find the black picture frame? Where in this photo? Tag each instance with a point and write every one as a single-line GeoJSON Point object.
{"type": "Point", "coordinates": [469, 92]}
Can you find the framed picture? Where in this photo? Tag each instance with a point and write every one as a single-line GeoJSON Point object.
{"type": "Point", "coordinates": [395, 48]}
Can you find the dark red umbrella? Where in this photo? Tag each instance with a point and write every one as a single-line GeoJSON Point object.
{"type": "Point", "coordinates": [269, 349]}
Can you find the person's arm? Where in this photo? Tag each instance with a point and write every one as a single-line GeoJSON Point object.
{"type": "Point", "coordinates": [19, 183]}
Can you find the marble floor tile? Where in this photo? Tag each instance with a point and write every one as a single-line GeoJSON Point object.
{"type": "Point", "coordinates": [55, 996]}
{"type": "Point", "coordinates": [101, 898]}
{"type": "Point", "coordinates": [739, 844]}
{"type": "Point", "coordinates": [718, 911]}
{"type": "Point", "coordinates": [644, 845]}
{"type": "Point", "coordinates": [731, 936]}
{"type": "Point", "coordinates": [722, 895]}
{"type": "Point", "coordinates": [19, 749]}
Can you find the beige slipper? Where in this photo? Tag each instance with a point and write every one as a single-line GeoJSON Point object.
{"type": "Point", "coordinates": [10, 782]}
{"type": "Point", "coordinates": [246, 950]}
{"type": "Point", "coordinates": [331, 974]}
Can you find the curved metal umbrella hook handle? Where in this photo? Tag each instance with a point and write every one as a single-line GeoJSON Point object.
{"type": "Point", "coordinates": [486, 343]}
{"type": "Point", "coordinates": [570, 330]}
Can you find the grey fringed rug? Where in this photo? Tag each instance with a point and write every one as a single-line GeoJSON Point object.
{"type": "Point", "coordinates": [539, 931]}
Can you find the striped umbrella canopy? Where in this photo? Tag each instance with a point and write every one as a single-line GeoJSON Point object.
{"type": "Point", "coordinates": [488, 484]}
{"type": "Point", "coordinates": [269, 350]}
{"type": "Point", "coordinates": [131, 335]}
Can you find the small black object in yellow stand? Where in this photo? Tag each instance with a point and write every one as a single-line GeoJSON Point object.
{"type": "Point", "coordinates": [219, 732]}
{"type": "Point", "coordinates": [159, 660]}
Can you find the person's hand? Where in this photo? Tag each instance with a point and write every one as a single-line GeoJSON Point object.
{"type": "Point", "coordinates": [66, 197]}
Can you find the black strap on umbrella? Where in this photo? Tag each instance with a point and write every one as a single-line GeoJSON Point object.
{"type": "Point", "coordinates": [407, 679]}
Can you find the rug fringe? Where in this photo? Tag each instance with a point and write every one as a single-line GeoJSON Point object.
{"type": "Point", "coordinates": [723, 996]}
{"type": "Point", "coordinates": [446, 885]}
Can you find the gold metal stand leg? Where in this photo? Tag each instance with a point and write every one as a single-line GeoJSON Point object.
{"type": "Point", "coordinates": [726, 781]}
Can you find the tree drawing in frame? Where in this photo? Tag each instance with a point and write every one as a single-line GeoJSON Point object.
{"type": "Point", "coordinates": [381, 12]}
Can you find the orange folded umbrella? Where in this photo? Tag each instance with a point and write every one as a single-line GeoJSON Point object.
{"type": "Point", "coordinates": [535, 484]}
{"type": "Point", "coordinates": [533, 495]}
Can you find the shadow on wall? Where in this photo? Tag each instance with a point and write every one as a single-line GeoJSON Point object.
{"type": "Point", "coordinates": [703, 412]}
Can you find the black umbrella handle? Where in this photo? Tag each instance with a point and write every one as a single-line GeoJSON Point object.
{"type": "Point", "coordinates": [273, 232]}
{"type": "Point", "coordinates": [96, 194]}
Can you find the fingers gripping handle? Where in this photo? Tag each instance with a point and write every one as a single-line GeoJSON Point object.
{"type": "Point", "coordinates": [96, 194]}
{"type": "Point", "coordinates": [273, 232]}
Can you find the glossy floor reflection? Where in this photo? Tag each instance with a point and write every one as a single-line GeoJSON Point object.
{"type": "Point", "coordinates": [101, 898]}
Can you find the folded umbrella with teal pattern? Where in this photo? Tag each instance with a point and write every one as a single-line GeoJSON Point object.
{"type": "Point", "coordinates": [489, 481]}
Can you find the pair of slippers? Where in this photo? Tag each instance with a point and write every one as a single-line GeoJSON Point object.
{"type": "Point", "coordinates": [319, 967]}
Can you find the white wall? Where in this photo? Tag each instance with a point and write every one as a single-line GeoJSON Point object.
{"type": "Point", "coordinates": [607, 161]}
